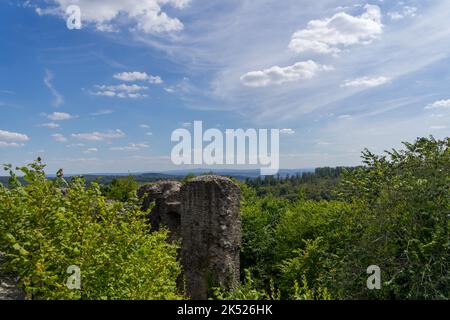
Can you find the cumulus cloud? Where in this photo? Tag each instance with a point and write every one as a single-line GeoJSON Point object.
{"type": "Point", "coordinates": [131, 147]}
{"type": "Point", "coordinates": [12, 136]}
{"type": "Point", "coordinates": [58, 99]}
{"type": "Point", "coordinates": [441, 104]}
{"type": "Point", "coordinates": [406, 12]}
{"type": "Point", "coordinates": [144, 15]}
{"type": "Point", "coordinates": [121, 91]}
{"type": "Point", "coordinates": [59, 137]}
{"type": "Point", "coordinates": [100, 136]}
{"type": "Point", "coordinates": [60, 116]}
{"type": "Point", "coordinates": [278, 75]}
{"type": "Point", "coordinates": [155, 80]}
{"type": "Point", "coordinates": [138, 76]}
{"type": "Point", "coordinates": [342, 30]}
{"type": "Point", "coordinates": [366, 82]}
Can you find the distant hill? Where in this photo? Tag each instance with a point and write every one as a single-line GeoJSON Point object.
{"type": "Point", "coordinates": [253, 173]}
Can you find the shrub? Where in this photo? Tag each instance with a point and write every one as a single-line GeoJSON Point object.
{"type": "Point", "coordinates": [48, 225]}
{"type": "Point", "coordinates": [121, 189]}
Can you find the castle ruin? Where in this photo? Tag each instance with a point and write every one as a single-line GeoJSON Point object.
{"type": "Point", "coordinates": [204, 215]}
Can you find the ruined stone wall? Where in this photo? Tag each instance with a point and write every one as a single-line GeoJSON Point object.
{"type": "Point", "coordinates": [204, 215]}
{"type": "Point", "coordinates": [8, 286]}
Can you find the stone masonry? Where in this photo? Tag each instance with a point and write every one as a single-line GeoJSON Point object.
{"type": "Point", "coordinates": [204, 214]}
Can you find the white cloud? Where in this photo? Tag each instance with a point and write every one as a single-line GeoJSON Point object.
{"type": "Point", "coordinates": [12, 136]}
{"type": "Point", "coordinates": [122, 87]}
{"type": "Point", "coordinates": [132, 95]}
{"type": "Point", "coordinates": [441, 104]}
{"type": "Point", "coordinates": [58, 99]}
{"type": "Point", "coordinates": [144, 126]}
{"type": "Point", "coordinates": [102, 112]}
{"type": "Point", "coordinates": [138, 76]}
{"type": "Point", "coordinates": [59, 137]}
{"type": "Point", "coordinates": [121, 91]}
{"type": "Point", "coordinates": [341, 30]}
{"type": "Point", "coordinates": [406, 12]}
{"type": "Point", "coordinates": [60, 116]}
{"type": "Point", "coordinates": [288, 132]}
{"type": "Point", "coordinates": [90, 150]}
{"type": "Point", "coordinates": [132, 76]}
{"type": "Point", "coordinates": [367, 82]}
{"type": "Point", "coordinates": [145, 15]}
{"type": "Point", "coordinates": [50, 125]}
{"type": "Point", "coordinates": [278, 75]}
{"type": "Point", "coordinates": [148, 133]}
{"type": "Point", "coordinates": [4, 144]}
{"type": "Point", "coordinates": [186, 124]}
{"type": "Point", "coordinates": [99, 136]}
{"type": "Point", "coordinates": [131, 147]}
{"type": "Point", "coordinates": [155, 80]}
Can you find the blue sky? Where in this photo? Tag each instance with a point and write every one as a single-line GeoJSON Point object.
{"type": "Point", "coordinates": [336, 76]}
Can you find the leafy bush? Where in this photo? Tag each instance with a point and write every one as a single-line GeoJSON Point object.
{"type": "Point", "coordinates": [121, 189]}
{"type": "Point", "coordinates": [48, 225]}
{"type": "Point", "coordinates": [245, 291]}
{"type": "Point", "coordinates": [406, 195]}
{"type": "Point", "coordinates": [393, 212]}
{"type": "Point", "coordinates": [260, 217]}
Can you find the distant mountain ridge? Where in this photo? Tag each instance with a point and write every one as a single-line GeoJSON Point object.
{"type": "Point", "coordinates": [240, 174]}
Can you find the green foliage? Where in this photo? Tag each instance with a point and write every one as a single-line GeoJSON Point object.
{"type": "Point", "coordinates": [301, 239]}
{"type": "Point", "coordinates": [49, 225]}
{"type": "Point", "coordinates": [406, 227]}
{"type": "Point", "coordinates": [122, 189]}
{"type": "Point", "coordinates": [393, 212]}
{"type": "Point", "coordinates": [305, 293]}
{"type": "Point", "coordinates": [317, 185]}
{"type": "Point", "coordinates": [260, 217]}
{"type": "Point", "coordinates": [245, 291]}
{"type": "Point", "coordinates": [188, 177]}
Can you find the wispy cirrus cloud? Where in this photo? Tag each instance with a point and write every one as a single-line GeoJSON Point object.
{"type": "Point", "coordinates": [405, 12]}
{"type": "Point", "coordinates": [99, 136]}
{"type": "Point", "coordinates": [102, 112]}
{"type": "Point", "coordinates": [50, 125]}
{"type": "Point", "coordinates": [4, 144]}
{"type": "Point", "coordinates": [366, 82]}
{"type": "Point", "coordinates": [60, 116]}
{"type": "Point", "coordinates": [131, 147]}
{"type": "Point", "coordinates": [58, 98]}
{"type": "Point", "coordinates": [58, 137]}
